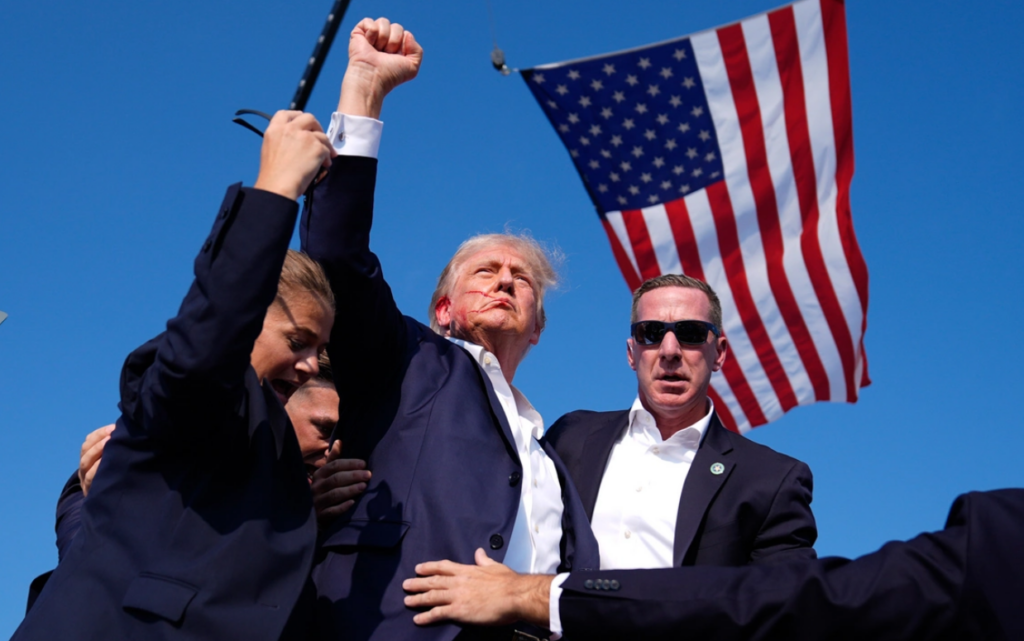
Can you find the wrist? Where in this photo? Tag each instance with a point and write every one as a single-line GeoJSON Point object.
{"type": "Point", "coordinates": [532, 601]}
{"type": "Point", "coordinates": [362, 92]}
{"type": "Point", "coordinates": [279, 188]}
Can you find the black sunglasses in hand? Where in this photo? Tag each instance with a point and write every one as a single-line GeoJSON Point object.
{"type": "Point", "coordinates": [688, 332]}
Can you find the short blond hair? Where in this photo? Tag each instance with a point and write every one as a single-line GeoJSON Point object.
{"type": "Point", "coordinates": [540, 261]}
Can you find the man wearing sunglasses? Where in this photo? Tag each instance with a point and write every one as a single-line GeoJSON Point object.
{"type": "Point", "coordinates": [664, 483]}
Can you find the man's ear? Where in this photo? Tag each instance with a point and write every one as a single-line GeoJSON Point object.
{"type": "Point", "coordinates": [629, 354]}
{"type": "Point", "coordinates": [722, 346]}
{"type": "Point", "coordinates": [442, 312]}
{"type": "Point", "coordinates": [537, 329]}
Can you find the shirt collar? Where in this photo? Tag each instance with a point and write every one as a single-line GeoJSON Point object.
{"type": "Point", "coordinates": [488, 362]}
{"type": "Point", "coordinates": [643, 426]}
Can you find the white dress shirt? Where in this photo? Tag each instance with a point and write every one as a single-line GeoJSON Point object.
{"type": "Point", "coordinates": [535, 544]}
{"type": "Point", "coordinates": [634, 518]}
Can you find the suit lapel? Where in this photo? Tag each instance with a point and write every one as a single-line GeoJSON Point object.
{"type": "Point", "coordinates": [702, 485]}
{"type": "Point", "coordinates": [594, 459]}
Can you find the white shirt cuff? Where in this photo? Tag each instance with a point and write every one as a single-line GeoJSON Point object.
{"type": "Point", "coordinates": [555, 624]}
{"type": "Point", "coordinates": [354, 135]}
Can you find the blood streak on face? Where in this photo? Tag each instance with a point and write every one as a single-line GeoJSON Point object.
{"type": "Point", "coordinates": [493, 297]}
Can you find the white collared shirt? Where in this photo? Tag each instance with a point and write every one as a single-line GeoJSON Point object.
{"type": "Point", "coordinates": [635, 514]}
{"type": "Point", "coordinates": [535, 544]}
{"type": "Point", "coordinates": [638, 501]}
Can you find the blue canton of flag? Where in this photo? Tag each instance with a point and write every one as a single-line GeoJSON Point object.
{"type": "Point", "coordinates": [636, 124]}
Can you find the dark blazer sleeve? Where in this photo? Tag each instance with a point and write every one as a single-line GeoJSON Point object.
{"type": "Point", "coordinates": [789, 529]}
{"type": "Point", "coordinates": [69, 519]}
{"type": "Point", "coordinates": [368, 338]}
{"type": "Point", "coordinates": [190, 377]}
{"type": "Point", "coordinates": [69, 507]}
{"type": "Point", "coordinates": [942, 585]}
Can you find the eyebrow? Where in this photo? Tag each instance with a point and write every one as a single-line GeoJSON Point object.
{"type": "Point", "coordinates": [301, 329]}
{"type": "Point", "coordinates": [517, 265]}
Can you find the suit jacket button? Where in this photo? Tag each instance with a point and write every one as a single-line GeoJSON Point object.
{"type": "Point", "coordinates": [497, 541]}
{"type": "Point", "coordinates": [615, 584]}
{"type": "Point", "coordinates": [514, 478]}
{"type": "Point", "coordinates": [589, 584]}
{"type": "Point", "coordinates": [606, 584]}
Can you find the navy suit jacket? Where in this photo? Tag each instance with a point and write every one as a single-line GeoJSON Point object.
{"type": "Point", "coordinates": [962, 583]}
{"type": "Point", "coordinates": [199, 524]}
{"type": "Point", "coordinates": [418, 408]}
{"type": "Point", "coordinates": [758, 509]}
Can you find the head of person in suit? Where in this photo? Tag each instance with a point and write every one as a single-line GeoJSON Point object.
{"type": "Point", "coordinates": [313, 410]}
{"type": "Point", "coordinates": [492, 293]}
{"type": "Point", "coordinates": [674, 361]}
{"type": "Point", "coordinates": [296, 327]}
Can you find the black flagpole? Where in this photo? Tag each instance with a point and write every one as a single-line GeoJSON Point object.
{"type": "Point", "coordinates": [316, 61]}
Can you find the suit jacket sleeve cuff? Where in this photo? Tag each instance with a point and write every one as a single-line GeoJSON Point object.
{"type": "Point", "coordinates": [555, 625]}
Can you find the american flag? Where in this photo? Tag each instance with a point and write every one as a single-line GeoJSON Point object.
{"type": "Point", "coordinates": [727, 155]}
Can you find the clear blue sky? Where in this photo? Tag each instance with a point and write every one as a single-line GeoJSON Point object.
{"type": "Point", "coordinates": [116, 146]}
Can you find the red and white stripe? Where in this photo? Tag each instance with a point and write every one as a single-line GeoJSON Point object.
{"type": "Point", "coordinates": [774, 238]}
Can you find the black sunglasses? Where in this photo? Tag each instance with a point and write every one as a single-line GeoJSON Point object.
{"type": "Point", "coordinates": [688, 332]}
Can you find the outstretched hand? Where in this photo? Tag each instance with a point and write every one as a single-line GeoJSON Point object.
{"type": "Point", "coordinates": [336, 484]}
{"type": "Point", "coordinates": [381, 56]}
{"type": "Point", "coordinates": [295, 148]}
{"type": "Point", "coordinates": [487, 593]}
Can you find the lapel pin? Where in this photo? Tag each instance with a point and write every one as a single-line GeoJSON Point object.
{"type": "Point", "coordinates": [717, 468]}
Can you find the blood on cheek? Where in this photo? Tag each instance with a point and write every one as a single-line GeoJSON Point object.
{"type": "Point", "coordinates": [462, 315]}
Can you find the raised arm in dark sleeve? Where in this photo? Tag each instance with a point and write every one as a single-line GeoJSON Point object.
{"type": "Point", "coordinates": [196, 376]}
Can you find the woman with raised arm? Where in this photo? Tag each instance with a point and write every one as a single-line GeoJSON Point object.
{"type": "Point", "coordinates": [200, 524]}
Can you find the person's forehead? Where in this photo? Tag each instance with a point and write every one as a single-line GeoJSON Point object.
{"type": "Point", "coordinates": [497, 254]}
{"type": "Point", "coordinates": [320, 389]}
{"type": "Point", "coordinates": [674, 303]}
{"type": "Point", "coordinates": [306, 310]}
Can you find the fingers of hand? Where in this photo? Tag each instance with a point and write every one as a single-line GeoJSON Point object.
{"type": "Point", "coordinates": [383, 33]}
{"type": "Point", "coordinates": [482, 559]}
{"type": "Point", "coordinates": [352, 466]}
{"type": "Point", "coordinates": [426, 584]}
{"type": "Point", "coordinates": [91, 456]}
{"type": "Point", "coordinates": [95, 436]}
{"type": "Point", "coordinates": [325, 498]}
{"type": "Point", "coordinates": [91, 473]}
{"type": "Point", "coordinates": [334, 453]}
{"type": "Point", "coordinates": [440, 613]}
{"type": "Point", "coordinates": [411, 48]}
{"type": "Point", "coordinates": [332, 512]}
{"type": "Point", "coordinates": [444, 568]}
{"type": "Point", "coordinates": [396, 36]}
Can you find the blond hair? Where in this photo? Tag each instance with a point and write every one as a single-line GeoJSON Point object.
{"type": "Point", "coordinates": [301, 273]}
